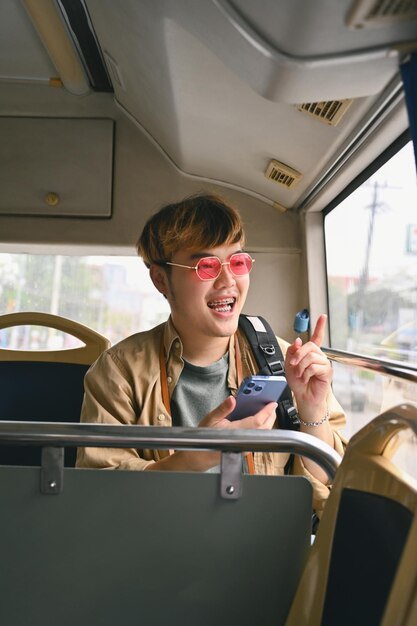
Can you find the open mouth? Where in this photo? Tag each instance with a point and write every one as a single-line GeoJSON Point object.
{"type": "Point", "coordinates": [222, 306]}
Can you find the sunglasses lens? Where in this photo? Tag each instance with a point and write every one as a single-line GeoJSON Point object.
{"type": "Point", "coordinates": [240, 264]}
{"type": "Point", "coordinates": [208, 268]}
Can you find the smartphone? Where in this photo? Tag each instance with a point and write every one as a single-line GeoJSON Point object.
{"type": "Point", "coordinates": [254, 393]}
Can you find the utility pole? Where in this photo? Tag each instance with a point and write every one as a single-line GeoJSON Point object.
{"type": "Point", "coordinates": [364, 275]}
{"type": "Point", "coordinates": [376, 206]}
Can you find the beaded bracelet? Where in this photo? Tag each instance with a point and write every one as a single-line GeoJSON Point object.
{"type": "Point", "coordinates": [324, 419]}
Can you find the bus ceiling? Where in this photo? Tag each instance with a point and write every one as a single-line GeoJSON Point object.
{"type": "Point", "coordinates": [269, 98]}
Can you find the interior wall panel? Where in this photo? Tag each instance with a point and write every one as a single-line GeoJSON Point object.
{"type": "Point", "coordinates": [56, 166]}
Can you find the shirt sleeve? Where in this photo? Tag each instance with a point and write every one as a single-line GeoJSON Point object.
{"type": "Point", "coordinates": [109, 399]}
{"type": "Point", "coordinates": [337, 420]}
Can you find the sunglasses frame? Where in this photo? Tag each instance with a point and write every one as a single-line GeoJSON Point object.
{"type": "Point", "coordinates": [195, 267]}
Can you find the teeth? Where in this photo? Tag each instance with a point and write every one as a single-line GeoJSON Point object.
{"type": "Point", "coordinates": [225, 301]}
{"type": "Point", "coordinates": [222, 306]}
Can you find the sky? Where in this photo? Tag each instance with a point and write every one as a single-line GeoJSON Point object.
{"type": "Point", "coordinates": [347, 226]}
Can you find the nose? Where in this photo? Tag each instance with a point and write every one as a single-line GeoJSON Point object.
{"type": "Point", "coordinates": [226, 278]}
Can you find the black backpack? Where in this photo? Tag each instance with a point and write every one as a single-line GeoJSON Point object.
{"type": "Point", "coordinates": [270, 361]}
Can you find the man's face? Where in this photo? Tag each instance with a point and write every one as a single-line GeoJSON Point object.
{"type": "Point", "coordinates": [203, 309]}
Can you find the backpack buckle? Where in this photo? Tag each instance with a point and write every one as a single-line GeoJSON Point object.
{"type": "Point", "coordinates": [268, 348]}
{"type": "Point", "coordinates": [277, 368]}
{"type": "Point", "coordinates": [292, 414]}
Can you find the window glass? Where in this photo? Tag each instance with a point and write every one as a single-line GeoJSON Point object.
{"type": "Point", "coordinates": [364, 395]}
{"type": "Point", "coordinates": [371, 248]}
{"type": "Point", "coordinates": [113, 295]}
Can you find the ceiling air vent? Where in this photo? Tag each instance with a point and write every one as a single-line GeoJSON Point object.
{"type": "Point", "coordinates": [370, 13]}
{"type": "Point", "coordinates": [330, 112]}
{"type": "Point", "coordinates": [282, 174]}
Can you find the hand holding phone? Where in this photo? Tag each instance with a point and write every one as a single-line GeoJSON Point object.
{"type": "Point", "coordinates": [254, 393]}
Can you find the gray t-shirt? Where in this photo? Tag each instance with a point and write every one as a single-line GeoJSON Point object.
{"type": "Point", "coordinates": [199, 390]}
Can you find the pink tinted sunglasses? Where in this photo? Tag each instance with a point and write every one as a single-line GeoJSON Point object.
{"type": "Point", "coordinates": [210, 267]}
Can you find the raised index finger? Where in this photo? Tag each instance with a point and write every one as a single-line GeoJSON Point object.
{"type": "Point", "coordinates": [318, 333]}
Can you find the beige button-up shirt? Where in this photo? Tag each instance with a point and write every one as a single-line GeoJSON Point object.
{"type": "Point", "coordinates": [124, 387]}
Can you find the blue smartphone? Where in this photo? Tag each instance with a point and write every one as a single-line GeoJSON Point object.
{"type": "Point", "coordinates": [254, 393]}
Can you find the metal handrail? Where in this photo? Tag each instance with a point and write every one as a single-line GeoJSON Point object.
{"type": "Point", "coordinates": [386, 367]}
{"type": "Point", "coordinates": [50, 434]}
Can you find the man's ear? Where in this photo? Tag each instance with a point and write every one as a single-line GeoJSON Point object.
{"type": "Point", "coordinates": [159, 278]}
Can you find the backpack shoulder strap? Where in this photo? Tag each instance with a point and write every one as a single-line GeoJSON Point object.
{"type": "Point", "coordinates": [270, 361]}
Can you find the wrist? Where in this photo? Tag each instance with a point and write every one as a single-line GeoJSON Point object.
{"type": "Point", "coordinates": [308, 408]}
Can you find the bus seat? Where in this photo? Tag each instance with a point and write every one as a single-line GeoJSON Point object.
{"type": "Point", "coordinates": [44, 385]}
{"type": "Point", "coordinates": [362, 568]}
{"type": "Point", "coordinates": [150, 547]}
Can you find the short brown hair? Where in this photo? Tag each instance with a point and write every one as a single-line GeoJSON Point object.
{"type": "Point", "coordinates": [198, 223]}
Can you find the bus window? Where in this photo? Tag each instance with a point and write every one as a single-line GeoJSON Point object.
{"type": "Point", "coordinates": [112, 294]}
{"type": "Point", "coordinates": [371, 249]}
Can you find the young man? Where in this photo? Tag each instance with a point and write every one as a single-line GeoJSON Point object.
{"type": "Point", "coordinates": [185, 371]}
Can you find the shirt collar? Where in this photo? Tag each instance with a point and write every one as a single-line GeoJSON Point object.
{"type": "Point", "coordinates": [171, 337]}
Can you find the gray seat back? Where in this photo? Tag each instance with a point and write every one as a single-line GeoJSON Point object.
{"type": "Point", "coordinates": [150, 548]}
